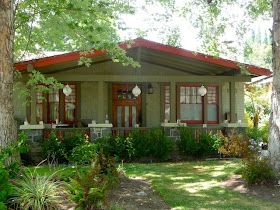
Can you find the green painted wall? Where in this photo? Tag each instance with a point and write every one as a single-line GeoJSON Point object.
{"type": "Point", "coordinates": [95, 83]}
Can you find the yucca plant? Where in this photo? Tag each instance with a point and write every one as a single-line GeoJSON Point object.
{"type": "Point", "coordinates": [37, 192]}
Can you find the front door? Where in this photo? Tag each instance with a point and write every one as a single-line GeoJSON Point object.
{"type": "Point", "coordinates": [126, 107]}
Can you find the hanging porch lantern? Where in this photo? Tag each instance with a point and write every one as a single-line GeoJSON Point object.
{"type": "Point", "coordinates": [202, 90]}
{"type": "Point", "coordinates": [67, 90]}
{"type": "Point", "coordinates": [136, 91]}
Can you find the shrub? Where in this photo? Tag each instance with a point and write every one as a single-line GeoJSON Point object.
{"type": "Point", "coordinates": [83, 154]}
{"type": "Point", "coordinates": [153, 144]}
{"type": "Point", "coordinates": [5, 187]}
{"type": "Point", "coordinates": [257, 171]}
{"type": "Point", "coordinates": [120, 147]}
{"type": "Point", "coordinates": [187, 143]}
{"type": "Point", "coordinates": [205, 145]}
{"type": "Point", "coordinates": [37, 192]}
{"type": "Point", "coordinates": [53, 148]}
{"type": "Point", "coordinates": [207, 142]}
{"type": "Point", "coordinates": [73, 140]}
{"type": "Point", "coordinates": [89, 189]}
{"type": "Point", "coordinates": [235, 145]}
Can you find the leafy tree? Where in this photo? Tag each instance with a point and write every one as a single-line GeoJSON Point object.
{"type": "Point", "coordinates": [34, 26]}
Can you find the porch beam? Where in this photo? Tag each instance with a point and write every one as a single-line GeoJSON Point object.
{"type": "Point", "coordinates": [151, 78]}
{"type": "Point", "coordinates": [232, 95]}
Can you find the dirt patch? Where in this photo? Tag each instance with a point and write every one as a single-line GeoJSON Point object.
{"type": "Point", "coordinates": [136, 194]}
{"type": "Point", "coordinates": [269, 192]}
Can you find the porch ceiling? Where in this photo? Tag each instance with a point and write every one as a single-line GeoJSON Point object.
{"type": "Point", "coordinates": [187, 65]}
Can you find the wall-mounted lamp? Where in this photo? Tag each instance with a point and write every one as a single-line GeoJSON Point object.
{"type": "Point", "coordinates": [150, 89]}
{"type": "Point", "coordinates": [202, 90]}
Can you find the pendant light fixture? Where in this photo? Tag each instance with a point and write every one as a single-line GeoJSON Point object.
{"type": "Point", "coordinates": [67, 90]}
{"type": "Point", "coordinates": [136, 91]}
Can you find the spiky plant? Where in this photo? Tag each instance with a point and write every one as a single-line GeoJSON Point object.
{"type": "Point", "coordinates": [37, 192]}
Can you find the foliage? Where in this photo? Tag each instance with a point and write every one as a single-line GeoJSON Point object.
{"type": "Point", "coordinates": [53, 148]}
{"type": "Point", "coordinates": [73, 140]}
{"type": "Point", "coordinates": [89, 189]}
{"type": "Point", "coordinates": [259, 134]}
{"type": "Point", "coordinates": [120, 147]}
{"type": "Point", "coordinates": [37, 192]}
{"type": "Point", "coordinates": [187, 143]}
{"type": "Point", "coordinates": [152, 144]}
{"type": "Point", "coordinates": [236, 145]}
{"type": "Point", "coordinates": [257, 103]}
{"type": "Point", "coordinates": [61, 149]}
{"type": "Point", "coordinates": [205, 145]}
{"type": "Point", "coordinates": [257, 171]}
{"type": "Point", "coordinates": [5, 186]}
{"type": "Point", "coordinates": [9, 167]}
{"type": "Point", "coordinates": [83, 154]}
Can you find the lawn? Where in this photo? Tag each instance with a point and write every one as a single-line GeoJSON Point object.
{"type": "Point", "coordinates": [196, 185]}
{"type": "Point", "coordinates": [189, 185]}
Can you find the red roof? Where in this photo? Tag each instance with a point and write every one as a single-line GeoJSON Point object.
{"type": "Point", "coordinates": [139, 42]}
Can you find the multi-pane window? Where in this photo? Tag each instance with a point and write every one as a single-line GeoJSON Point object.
{"type": "Point", "coordinates": [70, 105]}
{"type": "Point", "coordinates": [190, 104]}
{"type": "Point", "coordinates": [212, 104]}
{"type": "Point", "coordinates": [167, 102]}
{"type": "Point", "coordinates": [53, 106]}
{"type": "Point", "coordinates": [59, 107]}
{"type": "Point", "coordinates": [39, 106]}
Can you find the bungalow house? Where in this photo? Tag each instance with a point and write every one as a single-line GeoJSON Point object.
{"type": "Point", "coordinates": [172, 85]}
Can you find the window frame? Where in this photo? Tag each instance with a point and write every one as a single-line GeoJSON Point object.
{"type": "Point", "coordinates": [204, 104]}
{"type": "Point", "coordinates": [217, 104]}
{"type": "Point", "coordinates": [48, 108]}
{"type": "Point", "coordinates": [74, 121]}
{"type": "Point", "coordinates": [178, 93]}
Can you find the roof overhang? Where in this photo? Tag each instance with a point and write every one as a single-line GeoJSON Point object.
{"type": "Point", "coordinates": [151, 52]}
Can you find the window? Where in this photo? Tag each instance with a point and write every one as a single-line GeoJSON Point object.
{"type": "Point", "coordinates": [53, 106]}
{"type": "Point", "coordinates": [70, 106]}
{"type": "Point", "coordinates": [190, 104]}
{"type": "Point", "coordinates": [39, 106]}
{"type": "Point", "coordinates": [212, 104]}
{"type": "Point", "coordinates": [167, 102]}
{"type": "Point", "coordinates": [192, 107]}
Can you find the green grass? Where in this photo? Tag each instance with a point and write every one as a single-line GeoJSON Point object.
{"type": "Point", "coordinates": [188, 185]}
{"type": "Point", "coordinates": [196, 185]}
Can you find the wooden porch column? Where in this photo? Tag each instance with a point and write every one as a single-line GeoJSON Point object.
{"type": "Point", "coordinates": [100, 98]}
{"type": "Point", "coordinates": [232, 100]}
{"type": "Point", "coordinates": [33, 107]}
{"type": "Point", "coordinates": [173, 108]}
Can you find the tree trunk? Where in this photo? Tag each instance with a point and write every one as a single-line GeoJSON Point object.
{"type": "Point", "coordinates": [274, 132]}
{"type": "Point", "coordinates": [8, 131]}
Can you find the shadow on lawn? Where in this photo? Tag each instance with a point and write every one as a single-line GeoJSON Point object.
{"type": "Point", "coordinates": [196, 185]}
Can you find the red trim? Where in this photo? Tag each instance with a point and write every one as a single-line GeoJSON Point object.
{"type": "Point", "coordinates": [139, 42]}
{"type": "Point", "coordinates": [217, 104]}
{"type": "Point", "coordinates": [179, 102]}
{"type": "Point", "coordinates": [75, 102]}
{"type": "Point", "coordinates": [48, 106]}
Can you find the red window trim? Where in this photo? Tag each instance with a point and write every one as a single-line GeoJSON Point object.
{"type": "Point", "coordinates": [178, 101]}
{"type": "Point", "coordinates": [64, 105]}
{"type": "Point", "coordinates": [48, 108]}
{"type": "Point", "coordinates": [164, 100]}
{"type": "Point", "coordinates": [40, 104]}
{"type": "Point", "coordinates": [202, 102]}
{"type": "Point", "coordinates": [217, 104]}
